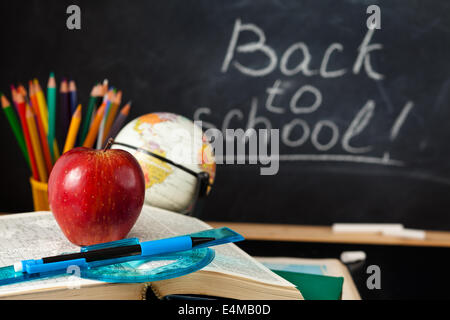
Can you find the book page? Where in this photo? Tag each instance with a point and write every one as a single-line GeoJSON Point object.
{"type": "Point", "coordinates": [230, 259]}
{"type": "Point", "coordinates": [32, 236]}
{"type": "Point", "coordinates": [36, 234]}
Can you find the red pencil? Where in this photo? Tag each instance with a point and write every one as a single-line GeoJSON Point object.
{"type": "Point", "coordinates": [22, 107]}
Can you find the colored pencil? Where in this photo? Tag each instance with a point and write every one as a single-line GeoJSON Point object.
{"type": "Point", "coordinates": [36, 144]}
{"type": "Point", "coordinates": [43, 108]}
{"type": "Point", "coordinates": [21, 90]}
{"type": "Point", "coordinates": [51, 101]}
{"type": "Point", "coordinates": [32, 98]}
{"type": "Point", "coordinates": [93, 130]}
{"type": "Point", "coordinates": [118, 123]}
{"type": "Point", "coordinates": [26, 133]}
{"type": "Point", "coordinates": [38, 131]}
{"type": "Point", "coordinates": [64, 109]}
{"type": "Point", "coordinates": [93, 98]}
{"type": "Point", "coordinates": [109, 98]}
{"type": "Point", "coordinates": [13, 95]}
{"type": "Point", "coordinates": [112, 114]}
{"type": "Point", "coordinates": [43, 136]}
{"type": "Point", "coordinates": [40, 126]}
{"type": "Point", "coordinates": [94, 112]}
{"type": "Point", "coordinates": [15, 126]}
{"type": "Point", "coordinates": [73, 130]}
{"type": "Point", "coordinates": [72, 96]}
{"type": "Point", "coordinates": [105, 87]}
{"type": "Point", "coordinates": [42, 104]}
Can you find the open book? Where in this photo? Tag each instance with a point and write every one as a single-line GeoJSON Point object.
{"type": "Point", "coordinates": [232, 273]}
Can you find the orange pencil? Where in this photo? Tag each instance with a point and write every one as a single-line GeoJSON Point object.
{"type": "Point", "coordinates": [36, 144]}
{"type": "Point", "coordinates": [33, 97]}
{"type": "Point", "coordinates": [111, 116]}
{"type": "Point", "coordinates": [73, 129]}
{"type": "Point", "coordinates": [93, 130]}
{"type": "Point", "coordinates": [21, 107]}
{"type": "Point", "coordinates": [41, 130]}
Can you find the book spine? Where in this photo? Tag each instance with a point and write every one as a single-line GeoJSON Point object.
{"type": "Point", "coordinates": [154, 290]}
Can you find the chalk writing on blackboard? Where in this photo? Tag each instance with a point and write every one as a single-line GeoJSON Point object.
{"type": "Point", "coordinates": [288, 65]}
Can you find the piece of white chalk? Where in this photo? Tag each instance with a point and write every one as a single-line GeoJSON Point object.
{"type": "Point", "coordinates": [406, 233]}
{"type": "Point", "coordinates": [366, 227]}
{"type": "Point", "coordinates": [352, 256]}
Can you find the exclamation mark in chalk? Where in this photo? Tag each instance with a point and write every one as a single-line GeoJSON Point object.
{"type": "Point", "coordinates": [397, 125]}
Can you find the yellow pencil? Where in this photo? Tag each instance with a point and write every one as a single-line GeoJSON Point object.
{"type": "Point", "coordinates": [93, 130]}
{"type": "Point", "coordinates": [42, 104]}
{"type": "Point", "coordinates": [55, 149]}
{"type": "Point", "coordinates": [73, 129]}
{"type": "Point", "coordinates": [37, 150]}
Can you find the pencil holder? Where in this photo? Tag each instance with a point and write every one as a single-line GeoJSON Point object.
{"type": "Point", "coordinates": [40, 195]}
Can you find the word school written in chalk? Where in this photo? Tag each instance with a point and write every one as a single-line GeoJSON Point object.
{"type": "Point", "coordinates": [310, 133]}
{"type": "Point", "coordinates": [326, 135]}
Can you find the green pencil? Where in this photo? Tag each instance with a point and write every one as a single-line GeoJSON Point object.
{"type": "Point", "coordinates": [95, 94]}
{"type": "Point", "coordinates": [15, 125]}
{"type": "Point", "coordinates": [51, 102]}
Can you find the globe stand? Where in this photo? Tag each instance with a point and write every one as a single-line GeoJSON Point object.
{"type": "Point", "coordinates": [201, 189]}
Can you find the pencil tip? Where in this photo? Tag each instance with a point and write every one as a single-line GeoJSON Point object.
{"type": "Point", "coordinates": [77, 112]}
{"type": "Point", "coordinates": [52, 74]}
{"type": "Point", "coordinates": [30, 87]}
{"type": "Point", "coordinates": [72, 86]}
{"type": "Point", "coordinates": [28, 111]}
{"type": "Point", "coordinates": [126, 109]}
{"type": "Point", "coordinates": [5, 101]}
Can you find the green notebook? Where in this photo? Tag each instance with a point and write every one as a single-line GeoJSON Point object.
{"type": "Point", "coordinates": [314, 286]}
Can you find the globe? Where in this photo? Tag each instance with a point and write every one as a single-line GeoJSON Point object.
{"type": "Point", "coordinates": [157, 137]}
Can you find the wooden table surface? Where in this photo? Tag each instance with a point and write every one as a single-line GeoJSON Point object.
{"type": "Point", "coordinates": [305, 233]}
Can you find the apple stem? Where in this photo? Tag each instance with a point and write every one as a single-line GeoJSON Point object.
{"type": "Point", "coordinates": [108, 144]}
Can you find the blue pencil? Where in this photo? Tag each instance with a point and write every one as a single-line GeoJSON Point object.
{"type": "Point", "coordinates": [72, 97]}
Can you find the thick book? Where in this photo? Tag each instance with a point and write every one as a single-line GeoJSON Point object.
{"type": "Point", "coordinates": [232, 274]}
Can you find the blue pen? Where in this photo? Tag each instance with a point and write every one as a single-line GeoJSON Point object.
{"type": "Point", "coordinates": [107, 253]}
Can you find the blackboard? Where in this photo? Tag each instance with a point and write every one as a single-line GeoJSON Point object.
{"type": "Point", "coordinates": [362, 113]}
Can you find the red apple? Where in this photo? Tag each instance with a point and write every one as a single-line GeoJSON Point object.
{"type": "Point", "coordinates": [96, 195]}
